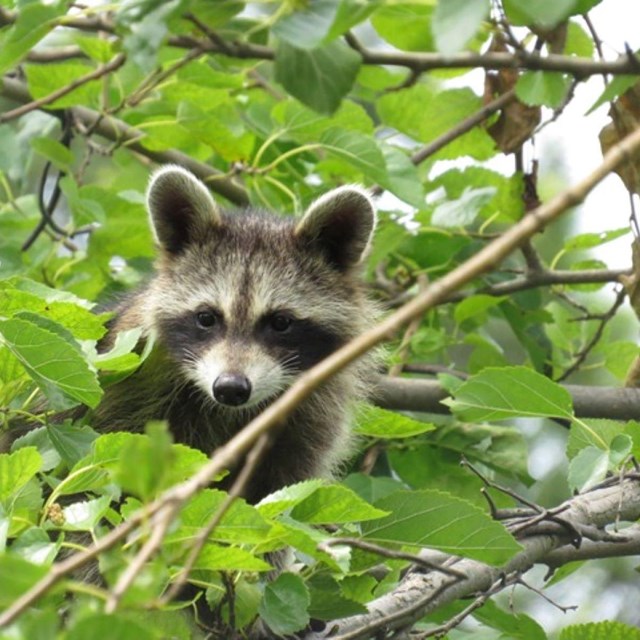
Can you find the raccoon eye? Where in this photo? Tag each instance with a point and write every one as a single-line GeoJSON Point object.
{"type": "Point", "coordinates": [206, 319]}
{"type": "Point", "coordinates": [280, 322]}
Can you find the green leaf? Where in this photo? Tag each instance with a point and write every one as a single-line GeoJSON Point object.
{"type": "Point", "coordinates": [509, 392]}
{"type": "Point", "coordinates": [319, 77]}
{"type": "Point", "coordinates": [33, 22]}
{"type": "Point", "coordinates": [379, 423]}
{"type": "Point", "coordinates": [417, 112]}
{"type": "Point", "coordinates": [515, 626]}
{"type": "Point", "coordinates": [328, 601]}
{"type": "Point", "coordinates": [17, 468]}
{"type": "Point", "coordinates": [46, 78]}
{"type": "Point", "coordinates": [17, 576]}
{"type": "Point", "coordinates": [16, 298]}
{"type": "Point", "coordinates": [147, 464]}
{"type": "Point", "coordinates": [54, 363]}
{"type": "Point", "coordinates": [620, 449]}
{"type": "Point", "coordinates": [403, 179]}
{"type": "Point", "coordinates": [285, 604]}
{"type": "Point", "coordinates": [588, 468]}
{"type": "Point", "coordinates": [85, 515]}
{"type": "Point", "coordinates": [109, 627]}
{"type": "Point", "coordinates": [60, 156]}
{"type": "Point", "coordinates": [547, 88]}
{"type": "Point", "coordinates": [607, 630]}
{"type": "Point", "coordinates": [334, 504]}
{"type": "Point", "coordinates": [71, 441]}
{"type": "Point", "coordinates": [406, 26]}
{"type": "Point", "coordinates": [455, 22]}
{"type": "Point", "coordinates": [441, 521]}
{"type": "Point", "coordinates": [215, 557]}
{"type": "Point", "coordinates": [591, 240]}
{"type": "Point", "coordinates": [307, 28]}
{"type": "Point", "coordinates": [615, 88]}
{"type": "Point", "coordinates": [372, 488]}
{"type": "Point", "coordinates": [39, 438]}
{"type": "Point", "coordinates": [241, 522]}
{"type": "Point", "coordinates": [287, 497]}
{"type": "Point", "coordinates": [462, 212]}
{"type": "Point", "coordinates": [358, 150]}
{"type": "Point", "coordinates": [543, 13]}
{"type": "Point", "coordinates": [579, 42]}
{"type": "Point", "coordinates": [475, 306]}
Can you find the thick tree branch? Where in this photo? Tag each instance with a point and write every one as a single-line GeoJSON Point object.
{"type": "Point", "coordinates": [407, 394]}
{"type": "Point", "coordinates": [422, 593]}
{"type": "Point", "coordinates": [119, 132]}
{"type": "Point", "coordinates": [417, 62]}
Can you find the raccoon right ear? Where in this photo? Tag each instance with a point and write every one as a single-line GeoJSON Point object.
{"type": "Point", "coordinates": [340, 223]}
{"type": "Point", "coordinates": [180, 207]}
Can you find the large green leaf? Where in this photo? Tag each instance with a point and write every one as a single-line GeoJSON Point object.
{"type": "Point", "coordinates": [509, 392]}
{"type": "Point", "coordinates": [442, 521]}
{"type": "Point", "coordinates": [334, 504]}
{"type": "Point", "coordinates": [406, 25]}
{"type": "Point", "coordinates": [17, 468]}
{"type": "Point", "coordinates": [543, 88]}
{"type": "Point", "coordinates": [76, 318]}
{"type": "Point", "coordinates": [319, 77]}
{"type": "Point", "coordinates": [379, 423]}
{"type": "Point", "coordinates": [52, 361]}
{"type": "Point", "coordinates": [285, 603]}
{"type": "Point", "coordinates": [17, 576]}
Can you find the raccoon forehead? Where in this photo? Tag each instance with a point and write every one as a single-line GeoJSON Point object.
{"type": "Point", "coordinates": [244, 291]}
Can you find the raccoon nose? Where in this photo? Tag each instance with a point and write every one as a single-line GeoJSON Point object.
{"type": "Point", "coordinates": [232, 389]}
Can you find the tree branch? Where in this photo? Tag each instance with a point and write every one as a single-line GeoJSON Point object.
{"type": "Point", "coordinates": [407, 394]}
{"type": "Point", "coordinates": [418, 62]}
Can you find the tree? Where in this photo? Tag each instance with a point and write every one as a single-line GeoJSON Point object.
{"type": "Point", "coordinates": [487, 320]}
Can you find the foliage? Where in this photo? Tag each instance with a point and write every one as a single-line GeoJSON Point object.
{"type": "Point", "coordinates": [273, 103]}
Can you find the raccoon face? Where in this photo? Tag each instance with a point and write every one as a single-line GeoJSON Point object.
{"type": "Point", "coordinates": [245, 301]}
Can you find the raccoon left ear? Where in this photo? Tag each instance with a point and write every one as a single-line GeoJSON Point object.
{"type": "Point", "coordinates": [181, 208]}
{"type": "Point", "coordinates": [341, 224]}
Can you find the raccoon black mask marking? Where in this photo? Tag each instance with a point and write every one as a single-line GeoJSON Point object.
{"type": "Point", "coordinates": [241, 303]}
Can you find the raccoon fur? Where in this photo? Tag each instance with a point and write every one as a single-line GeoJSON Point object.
{"type": "Point", "coordinates": [241, 303]}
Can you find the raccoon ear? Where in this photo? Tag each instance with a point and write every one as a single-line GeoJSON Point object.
{"type": "Point", "coordinates": [180, 207]}
{"type": "Point", "coordinates": [341, 224]}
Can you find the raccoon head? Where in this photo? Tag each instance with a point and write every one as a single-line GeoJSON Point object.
{"type": "Point", "coordinates": [244, 301]}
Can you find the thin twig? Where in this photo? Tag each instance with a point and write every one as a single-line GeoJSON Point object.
{"type": "Point", "coordinates": [239, 486]}
{"type": "Point", "coordinates": [102, 70]}
{"type": "Point", "coordinates": [586, 350]}
{"type": "Point", "coordinates": [357, 543]}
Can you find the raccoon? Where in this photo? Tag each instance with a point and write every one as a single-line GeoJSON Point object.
{"type": "Point", "coordinates": [241, 303]}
